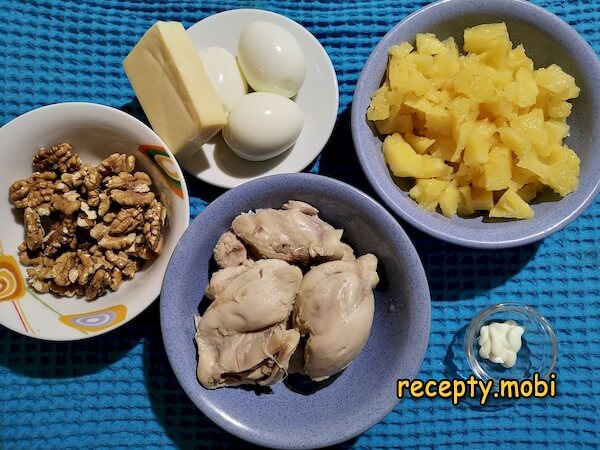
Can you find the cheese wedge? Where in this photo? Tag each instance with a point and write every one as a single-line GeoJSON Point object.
{"type": "Point", "coordinates": [174, 89]}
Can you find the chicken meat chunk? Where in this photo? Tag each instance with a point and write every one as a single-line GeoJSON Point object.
{"type": "Point", "coordinates": [242, 337]}
{"type": "Point", "coordinates": [334, 309]}
{"type": "Point", "coordinates": [294, 234]}
{"type": "Point", "coordinates": [229, 251]}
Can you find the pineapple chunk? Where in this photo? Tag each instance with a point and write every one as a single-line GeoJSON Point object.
{"type": "Point", "coordinates": [445, 64]}
{"type": "Point", "coordinates": [405, 162]}
{"type": "Point", "coordinates": [482, 38]}
{"type": "Point", "coordinates": [561, 84]}
{"type": "Point", "coordinates": [557, 131]}
{"type": "Point", "coordinates": [474, 80]}
{"type": "Point", "coordinates": [482, 200]}
{"type": "Point", "coordinates": [517, 59]}
{"type": "Point", "coordinates": [379, 109]}
{"type": "Point", "coordinates": [523, 91]}
{"type": "Point", "coordinates": [429, 44]}
{"type": "Point", "coordinates": [497, 172]}
{"type": "Point", "coordinates": [419, 144]}
{"type": "Point", "coordinates": [465, 203]}
{"type": "Point", "coordinates": [449, 200]}
{"type": "Point", "coordinates": [405, 77]}
{"type": "Point", "coordinates": [396, 123]}
{"type": "Point", "coordinates": [514, 140]}
{"type": "Point", "coordinates": [427, 193]}
{"type": "Point", "coordinates": [464, 175]}
{"type": "Point", "coordinates": [423, 63]}
{"type": "Point", "coordinates": [558, 109]}
{"type": "Point", "coordinates": [511, 206]}
{"type": "Point", "coordinates": [561, 172]}
{"type": "Point", "coordinates": [528, 192]}
{"type": "Point", "coordinates": [401, 50]}
{"type": "Point", "coordinates": [443, 148]}
{"type": "Point", "coordinates": [479, 142]}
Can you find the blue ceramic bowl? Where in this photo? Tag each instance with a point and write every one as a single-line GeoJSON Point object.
{"type": "Point", "coordinates": [547, 40]}
{"type": "Point", "coordinates": [366, 391]}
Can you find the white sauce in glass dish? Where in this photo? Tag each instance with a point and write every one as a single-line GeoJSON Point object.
{"type": "Point", "coordinates": [500, 342]}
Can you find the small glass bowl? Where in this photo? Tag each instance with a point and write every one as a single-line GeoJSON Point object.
{"type": "Point", "coordinates": [538, 352]}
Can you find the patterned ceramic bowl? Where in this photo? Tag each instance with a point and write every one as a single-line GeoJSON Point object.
{"type": "Point", "coordinates": [94, 131]}
{"type": "Point", "coordinates": [547, 40]}
{"type": "Point", "coordinates": [305, 416]}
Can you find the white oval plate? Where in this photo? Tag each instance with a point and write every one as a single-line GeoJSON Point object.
{"type": "Point", "coordinates": [318, 99]}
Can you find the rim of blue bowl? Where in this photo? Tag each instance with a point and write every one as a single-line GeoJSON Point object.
{"type": "Point", "coordinates": [421, 284]}
{"type": "Point", "coordinates": [525, 10]}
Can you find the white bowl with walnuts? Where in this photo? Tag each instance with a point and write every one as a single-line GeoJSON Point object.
{"type": "Point", "coordinates": [93, 205]}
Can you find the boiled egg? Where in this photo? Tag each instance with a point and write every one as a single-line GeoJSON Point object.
{"type": "Point", "coordinates": [271, 59]}
{"type": "Point", "coordinates": [225, 75]}
{"type": "Point", "coordinates": [262, 125]}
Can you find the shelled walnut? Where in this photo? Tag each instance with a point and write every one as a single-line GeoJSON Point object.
{"type": "Point", "coordinates": [102, 222]}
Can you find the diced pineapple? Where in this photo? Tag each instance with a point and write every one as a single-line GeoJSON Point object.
{"type": "Point", "coordinates": [479, 142]}
{"type": "Point", "coordinates": [419, 144]}
{"type": "Point", "coordinates": [474, 80]}
{"type": "Point", "coordinates": [401, 50]}
{"type": "Point", "coordinates": [531, 126]}
{"type": "Point", "coordinates": [561, 84]}
{"type": "Point", "coordinates": [517, 59]}
{"type": "Point", "coordinates": [511, 206]}
{"type": "Point", "coordinates": [561, 172]}
{"type": "Point", "coordinates": [528, 192]}
{"type": "Point", "coordinates": [558, 109]}
{"type": "Point", "coordinates": [437, 118]}
{"type": "Point", "coordinates": [379, 109]}
{"type": "Point", "coordinates": [445, 63]}
{"type": "Point", "coordinates": [501, 109]}
{"type": "Point", "coordinates": [405, 77]}
{"type": "Point", "coordinates": [439, 97]}
{"type": "Point", "coordinates": [482, 200]}
{"type": "Point", "coordinates": [429, 44]}
{"type": "Point", "coordinates": [514, 140]}
{"type": "Point", "coordinates": [463, 110]}
{"type": "Point", "coordinates": [427, 193]}
{"type": "Point", "coordinates": [499, 124]}
{"type": "Point", "coordinates": [443, 148]}
{"type": "Point", "coordinates": [462, 133]}
{"type": "Point", "coordinates": [464, 175]}
{"type": "Point", "coordinates": [485, 37]}
{"type": "Point", "coordinates": [449, 200]}
{"type": "Point", "coordinates": [399, 121]}
{"type": "Point", "coordinates": [523, 91]}
{"type": "Point", "coordinates": [423, 63]}
{"type": "Point", "coordinates": [465, 203]}
{"type": "Point", "coordinates": [405, 162]}
{"type": "Point", "coordinates": [497, 171]}
{"type": "Point", "coordinates": [557, 130]}
{"type": "Point", "coordinates": [521, 176]}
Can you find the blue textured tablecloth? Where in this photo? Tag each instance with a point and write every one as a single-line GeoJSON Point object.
{"type": "Point", "coordinates": [118, 391]}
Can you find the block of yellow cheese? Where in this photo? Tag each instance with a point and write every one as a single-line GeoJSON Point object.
{"type": "Point", "coordinates": [173, 87]}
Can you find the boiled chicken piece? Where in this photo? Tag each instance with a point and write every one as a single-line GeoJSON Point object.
{"type": "Point", "coordinates": [229, 251]}
{"type": "Point", "coordinates": [295, 234]}
{"type": "Point", "coordinates": [335, 308]}
{"type": "Point", "coordinates": [242, 336]}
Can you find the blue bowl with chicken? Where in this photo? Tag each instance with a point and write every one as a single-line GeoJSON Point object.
{"type": "Point", "coordinates": [299, 412]}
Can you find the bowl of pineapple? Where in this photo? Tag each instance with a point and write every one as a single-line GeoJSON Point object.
{"type": "Point", "coordinates": [475, 122]}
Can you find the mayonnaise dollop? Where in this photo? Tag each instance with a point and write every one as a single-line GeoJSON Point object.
{"type": "Point", "coordinates": [500, 342]}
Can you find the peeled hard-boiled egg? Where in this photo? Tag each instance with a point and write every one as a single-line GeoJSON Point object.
{"type": "Point", "coordinates": [225, 75]}
{"type": "Point", "coordinates": [271, 59]}
{"type": "Point", "coordinates": [262, 125]}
